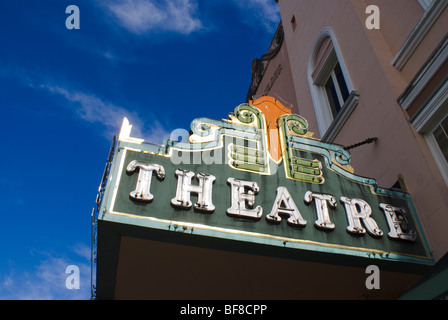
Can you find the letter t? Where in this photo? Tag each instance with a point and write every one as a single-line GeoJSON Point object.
{"type": "Point", "coordinates": [142, 190]}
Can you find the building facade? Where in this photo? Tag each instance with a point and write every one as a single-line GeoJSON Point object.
{"type": "Point", "coordinates": [385, 84]}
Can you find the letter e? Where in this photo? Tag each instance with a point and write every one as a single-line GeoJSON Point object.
{"type": "Point", "coordinates": [373, 20]}
{"type": "Point", "coordinates": [72, 21]}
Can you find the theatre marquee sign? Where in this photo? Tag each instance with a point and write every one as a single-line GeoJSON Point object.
{"type": "Point", "coordinates": [260, 176]}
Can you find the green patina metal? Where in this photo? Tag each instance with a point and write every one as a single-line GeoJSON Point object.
{"type": "Point", "coordinates": [240, 151]}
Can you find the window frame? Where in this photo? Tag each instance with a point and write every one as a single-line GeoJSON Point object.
{"type": "Point", "coordinates": [426, 4]}
{"type": "Point", "coordinates": [337, 86]}
{"type": "Point", "coordinates": [428, 119]}
{"type": "Point", "coordinates": [445, 134]}
{"type": "Point", "coordinates": [329, 124]}
{"type": "Point", "coordinates": [432, 12]}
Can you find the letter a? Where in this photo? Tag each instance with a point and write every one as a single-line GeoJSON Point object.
{"type": "Point", "coordinates": [373, 21]}
{"type": "Point", "coordinates": [284, 204]}
{"type": "Point", "coordinates": [72, 21]}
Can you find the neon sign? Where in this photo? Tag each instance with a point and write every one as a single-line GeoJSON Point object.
{"type": "Point", "coordinates": [260, 176]}
{"type": "Point", "coordinates": [243, 194]}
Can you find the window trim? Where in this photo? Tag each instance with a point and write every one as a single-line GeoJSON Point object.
{"type": "Point", "coordinates": [329, 126]}
{"type": "Point", "coordinates": [444, 129]}
{"type": "Point", "coordinates": [429, 18]}
{"type": "Point", "coordinates": [436, 108]}
{"type": "Point", "coordinates": [430, 117]}
{"type": "Point", "coordinates": [424, 76]}
{"type": "Point", "coordinates": [438, 156]}
{"type": "Point", "coordinates": [339, 121]}
{"type": "Point", "coordinates": [426, 4]}
{"type": "Point", "coordinates": [337, 87]}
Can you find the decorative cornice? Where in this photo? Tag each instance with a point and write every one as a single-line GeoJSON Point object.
{"type": "Point", "coordinates": [259, 66]}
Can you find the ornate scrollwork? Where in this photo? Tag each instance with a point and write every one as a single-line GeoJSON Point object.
{"type": "Point", "coordinates": [260, 65]}
{"type": "Point", "coordinates": [200, 128]}
{"type": "Point", "coordinates": [297, 124]}
{"type": "Point", "coordinates": [341, 157]}
{"type": "Point", "coordinates": [248, 115]}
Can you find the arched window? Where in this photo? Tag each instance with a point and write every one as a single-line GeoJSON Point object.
{"type": "Point", "coordinates": [331, 89]}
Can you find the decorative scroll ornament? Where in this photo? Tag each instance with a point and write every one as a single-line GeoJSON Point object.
{"type": "Point", "coordinates": [250, 153]}
{"type": "Point", "coordinates": [257, 137]}
{"type": "Point", "coordinates": [298, 167]}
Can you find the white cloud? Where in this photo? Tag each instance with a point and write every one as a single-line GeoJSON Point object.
{"type": "Point", "coordinates": [46, 280]}
{"type": "Point", "coordinates": [142, 16]}
{"type": "Point", "coordinates": [262, 12]}
{"type": "Point", "coordinates": [91, 108]}
{"type": "Point", "coordinates": [96, 110]}
{"type": "Point", "coordinates": [183, 17]}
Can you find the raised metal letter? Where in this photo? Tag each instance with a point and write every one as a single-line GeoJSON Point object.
{"type": "Point", "coordinates": [284, 204]}
{"type": "Point", "coordinates": [323, 216]}
{"type": "Point", "coordinates": [358, 210]}
{"type": "Point", "coordinates": [185, 188]}
{"type": "Point", "coordinates": [243, 199]}
{"type": "Point", "coordinates": [142, 190]}
{"type": "Point", "coordinates": [396, 219]}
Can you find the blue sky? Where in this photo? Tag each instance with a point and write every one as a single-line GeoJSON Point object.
{"type": "Point", "coordinates": [63, 96]}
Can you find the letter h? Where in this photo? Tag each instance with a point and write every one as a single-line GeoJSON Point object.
{"type": "Point", "coordinates": [185, 188]}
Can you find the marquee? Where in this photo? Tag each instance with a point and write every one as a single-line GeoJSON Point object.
{"type": "Point", "coordinates": [260, 177]}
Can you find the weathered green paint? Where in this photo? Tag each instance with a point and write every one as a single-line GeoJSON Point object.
{"type": "Point", "coordinates": [164, 191]}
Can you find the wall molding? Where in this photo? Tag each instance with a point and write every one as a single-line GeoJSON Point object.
{"type": "Point", "coordinates": [423, 26]}
{"type": "Point", "coordinates": [426, 4]}
{"type": "Point", "coordinates": [433, 111]}
{"type": "Point", "coordinates": [425, 74]}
